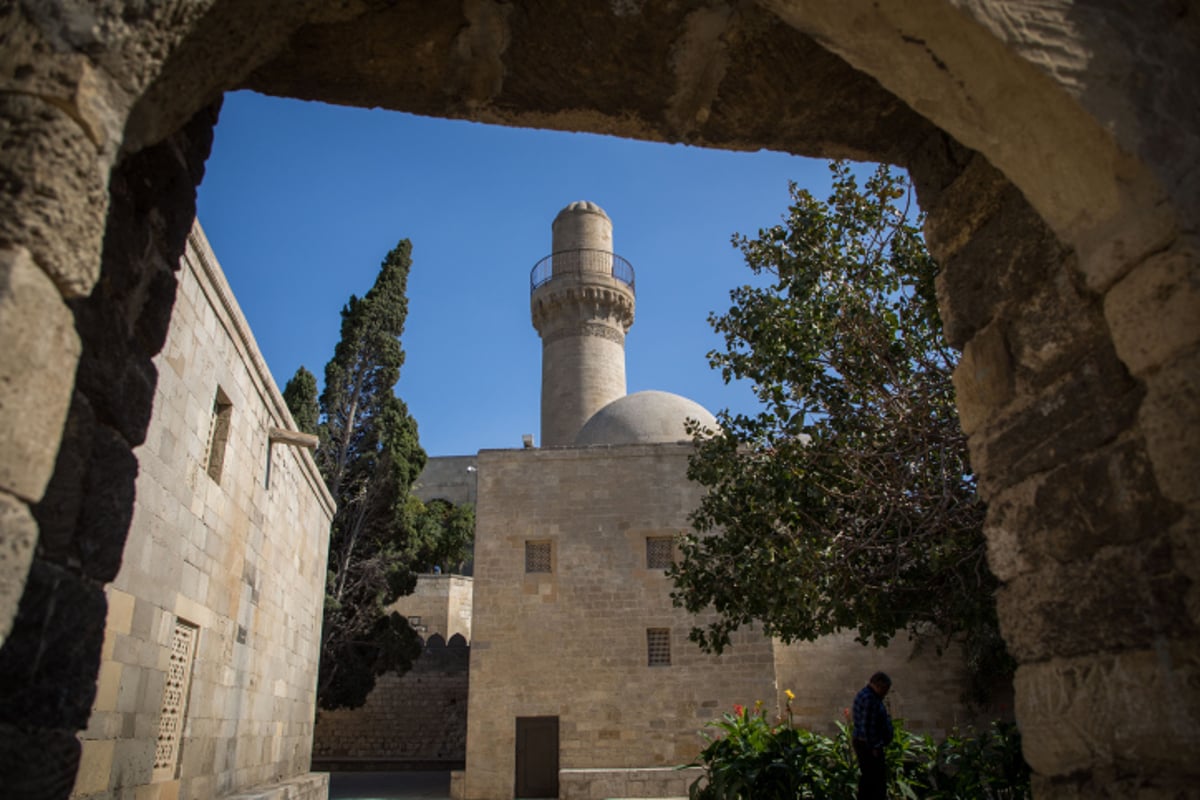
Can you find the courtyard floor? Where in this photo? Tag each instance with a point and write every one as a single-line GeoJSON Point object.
{"type": "Point", "coordinates": [389, 785]}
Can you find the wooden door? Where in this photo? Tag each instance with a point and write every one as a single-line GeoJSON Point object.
{"type": "Point", "coordinates": [537, 757]}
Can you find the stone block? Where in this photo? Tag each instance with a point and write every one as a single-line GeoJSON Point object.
{"type": "Point", "coordinates": [1007, 255]}
{"type": "Point", "coordinates": [37, 762]}
{"type": "Point", "coordinates": [56, 196]}
{"type": "Point", "coordinates": [132, 761]}
{"type": "Point", "coordinates": [1185, 543]}
{"type": "Point", "coordinates": [95, 766]}
{"type": "Point", "coordinates": [1135, 710]}
{"type": "Point", "coordinates": [1054, 327]}
{"type": "Point", "coordinates": [107, 508]}
{"type": "Point", "coordinates": [1154, 312]}
{"type": "Point", "coordinates": [48, 664]}
{"type": "Point", "coordinates": [120, 610]}
{"type": "Point", "coordinates": [18, 539]}
{"type": "Point", "coordinates": [108, 684]}
{"type": "Point", "coordinates": [961, 207]}
{"type": "Point", "coordinates": [58, 512]}
{"type": "Point", "coordinates": [1123, 597]}
{"type": "Point", "coordinates": [1081, 411]}
{"type": "Point", "coordinates": [1170, 420]}
{"type": "Point", "coordinates": [35, 65]}
{"type": "Point", "coordinates": [37, 371]}
{"type": "Point", "coordinates": [983, 379]}
{"type": "Point", "coordinates": [1060, 516]}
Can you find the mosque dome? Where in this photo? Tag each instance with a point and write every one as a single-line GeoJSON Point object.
{"type": "Point", "coordinates": [643, 418]}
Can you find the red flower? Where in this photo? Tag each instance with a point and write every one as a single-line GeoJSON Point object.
{"type": "Point", "coordinates": [737, 709]}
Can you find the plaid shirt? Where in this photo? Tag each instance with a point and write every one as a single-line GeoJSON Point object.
{"type": "Point", "coordinates": [871, 721]}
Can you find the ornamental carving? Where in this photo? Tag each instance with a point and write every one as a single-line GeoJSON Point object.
{"type": "Point", "coordinates": [557, 307]}
{"type": "Point", "coordinates": [598, 329]}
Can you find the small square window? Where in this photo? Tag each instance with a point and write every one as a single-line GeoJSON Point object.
{"type": "Point", "coordinates": [660, 552]}
{"type": "Point", "coordinates": [658, 647]}
{"type": "Point", "coordinates": [537, 557]}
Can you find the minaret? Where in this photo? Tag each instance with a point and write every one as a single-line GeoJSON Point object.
{"type": "Point", "coordinates": [582, 305]}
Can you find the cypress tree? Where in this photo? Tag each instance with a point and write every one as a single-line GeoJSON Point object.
{"type": "Point", "coordinates": [369, 455]}
{"type": "Point", "coordinates": [300, 395]}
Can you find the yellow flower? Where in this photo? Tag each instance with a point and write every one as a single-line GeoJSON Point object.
{"type": "Point", "coordinates": [789, 694]}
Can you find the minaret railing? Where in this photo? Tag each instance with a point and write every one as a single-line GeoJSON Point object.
{"type": "Point", "coordinates": [581, 262]}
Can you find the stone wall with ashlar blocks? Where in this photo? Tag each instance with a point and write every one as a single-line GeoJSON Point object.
{"type": "Point", "coordinates": [417, 720]}
{"type": "Point", "coordinates": [595, 640]}
{"type": "Point", "coordinates": [208, 674]}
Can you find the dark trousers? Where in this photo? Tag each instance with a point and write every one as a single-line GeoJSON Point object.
{"type": "Point", "coordinates": [872, 781]}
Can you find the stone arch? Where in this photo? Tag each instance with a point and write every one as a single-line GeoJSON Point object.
{"type": "Point", "coordinates": [1061, 188]}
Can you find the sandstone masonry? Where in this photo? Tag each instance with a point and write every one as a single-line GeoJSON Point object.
{"type": "Point", "coordinates": [208, 674]}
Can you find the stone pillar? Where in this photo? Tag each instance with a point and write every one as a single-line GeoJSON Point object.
{"type": "Point", "coordinates": [582, 305]}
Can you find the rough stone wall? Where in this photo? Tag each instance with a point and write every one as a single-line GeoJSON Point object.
{"type": "Point", "coordinates": [414, 720]}
{"type": "Point", "coordinates": [242, 562]}
{"type": "Point", "coordinates": [1091, 547]}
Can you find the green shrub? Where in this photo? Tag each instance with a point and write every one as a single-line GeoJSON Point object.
{"type": "Point", "coordinates": [753, 759]}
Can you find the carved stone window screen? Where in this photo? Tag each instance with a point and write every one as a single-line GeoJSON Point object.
{"type": "Point", "coordinates": [537, 557]}
{"type": "Point", "coordinates": [174, 701]}
{"type": "Point", "coordinates": [658, 647]}
{"type": "Point", "coordinates": [660, 552]}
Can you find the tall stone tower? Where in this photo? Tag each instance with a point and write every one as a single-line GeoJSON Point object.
{"type": "Point", "coordinates": [582, 303]}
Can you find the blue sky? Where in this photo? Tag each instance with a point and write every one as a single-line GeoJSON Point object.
{"type": "Point", "coordinates": [301, 201]}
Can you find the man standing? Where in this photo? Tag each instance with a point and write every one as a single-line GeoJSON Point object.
{"type": "Point", "coordinates": [872, 733]}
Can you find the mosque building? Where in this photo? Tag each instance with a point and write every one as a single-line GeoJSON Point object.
{"type": "Point", "coordinates": [583, 681]}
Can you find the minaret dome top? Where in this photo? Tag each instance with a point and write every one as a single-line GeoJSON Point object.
{"type": "Point", "coordinates": [581, 207]}
{"type": "Point", "coordinates": [582, 226]}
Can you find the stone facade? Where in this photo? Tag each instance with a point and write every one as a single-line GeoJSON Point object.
{"type": "Point", "coordinates": [1054, 145]}
{"type": "Point", "coordinates": [441, 605]}
{"type": "Point", "coordinates": [588, 635]}
{"type": "Point", "coordinates": [450, 478]}
{"type": "Point", "coordinates": [207, 682]}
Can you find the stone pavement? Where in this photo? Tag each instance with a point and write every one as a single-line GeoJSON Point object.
{"type": "Point", "coordinates": [389, 785]}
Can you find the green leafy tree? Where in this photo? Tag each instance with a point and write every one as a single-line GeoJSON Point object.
{"type": "Point", "coordinates": [847, 502]}
{"type": "Point", "coordinates": [443, 532]}
{"type": "Point", "coordinates": [369, 455]}
{"type": "Point", "coordinates": [300, 395]}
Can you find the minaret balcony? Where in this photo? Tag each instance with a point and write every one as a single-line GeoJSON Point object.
{"type": "Point", "coordinates": [581, 264]}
